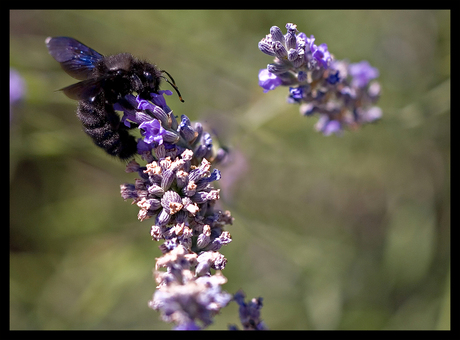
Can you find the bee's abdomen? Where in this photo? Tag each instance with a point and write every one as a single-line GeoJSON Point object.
{"type": "Point", "coordinates": [102, 124]}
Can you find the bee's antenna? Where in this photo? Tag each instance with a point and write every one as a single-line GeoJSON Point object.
{"type": "Point", "coordinates": [172, 83]}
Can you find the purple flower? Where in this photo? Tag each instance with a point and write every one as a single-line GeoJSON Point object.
{"type": "Point", "coordinates": [143, 104]}
{"type": "Point", "coordinates": [291, 28]}
{"type": "Point", "coordinates": [268, 81]}
{"type": "Point", "coordinates": [153, 131]}
{"type": "Point", "coordinates": [205, 148]}
{"type": "Point", "coordinates": [322, 55]}
{"type": "Point", "coordinates": [186, 130]}
{"type": "Point", "coordinates": [333, 126]}
{"type": "Point", "coordinates": [17, 86]}
{"type": "Point", "coordinates": [159, 100]}
{"type": "Point", "coordinates": [328, 126]}
{"type": "Point", "coordinates": [183, 298]}
{"type": "Point", "coordinates": [310, 42]}
{"type": "Point", "coordinates": [187, 326]}
{"type": "Point", "coordinates": [333, 78]}
{"type": "Point", "coordinates": [131, 106]}
{"type": "Point", "coordinates": [372, 114]}
{"type": "Point", "coordinates": [157, 111]}
{"type": "Point", "coordinates": [307, 109]}
{"type": "Point", "coordinates": [249, 312]}
{"type": "Point", "coordinates": [339, 92]}
{"type": "Point", "coordinates": [302, 76]}
{"type": "Point", "coordinates": [142, 146]}
{"type": "Point", "coordinates": [175, 189]}
{"type": "Point", "coordinates": [17, 89]}
{"type": "Point", "coordinates": [362, 73]}
{"type": "Point", "coordinates": [295, 94]}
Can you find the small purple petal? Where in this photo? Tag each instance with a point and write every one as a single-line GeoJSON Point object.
{"type": "Point", "coordinates": [17, 86]}
{"type": "Point", "coordinates": [159, 100]}
{"type": "Point", "coordinates": [295, 94]}
{"type": "Point", "coordinates": [322, 55]}
{"type": "Point", "coordinates": [143, 146]}
{"type": "Point", "coordinates": [188, 326]}
{"type": "Point", "coordinates": [268, 81]}
{"type": "Point", "coordinates": [333, 126]}
{"type": "Point", "coordinates": [143, 104]}
{"type": "Point", "coordinates": [153, 131]}
{"type": "Point", "coordinates": [328, 126]}
{"type": "Point", "coordinates": [362, 73]}
{"type": "Point", "coordinates": [310, 43]}
{"type": "Point", "coordinates": [372, 114]}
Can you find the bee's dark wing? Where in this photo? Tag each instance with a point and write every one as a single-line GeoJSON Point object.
{"type": "Point", "coordinates": [77, 59]}
{"type": "Point", "coordinates": [85, 89]}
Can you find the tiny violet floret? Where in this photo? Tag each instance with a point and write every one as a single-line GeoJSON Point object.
{"type": "Point", "coordinates": [159, 100]}
{"type": "Point", "coordinates": [17, 86]}
{"type": "Point", "coordinates": [268, 81]}
{"type": "Point", "coordinates": [153, 131]}
{"type": "Point", "coordinates": [291, 28]}
{"type": "Point", "coordinates": [333, 78]}
{"type": "Point", "coordinates": [17, 90]}
{"type": "Point", "coordinates": [249, 313]}
{"type": "Point", "coordinates": [322, 55]}
{"type": "Point", "coordinates": [362, 73]}
{"type": "Point", "coordinates": [295, 94]}
{"type": "Point", "coordinates": [328, 126]}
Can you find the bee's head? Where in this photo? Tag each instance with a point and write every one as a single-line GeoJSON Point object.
{"type": "Point", "coordinates": [146, 79]}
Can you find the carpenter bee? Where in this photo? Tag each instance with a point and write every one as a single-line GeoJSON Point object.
{"type": "Point", "coordinates": [105, 80]}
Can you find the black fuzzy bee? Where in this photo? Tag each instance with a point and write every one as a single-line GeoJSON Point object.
{"type": "Point", "coordinates": [105, 81]}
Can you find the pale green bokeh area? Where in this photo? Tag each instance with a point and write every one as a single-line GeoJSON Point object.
{"type": "Point", "coordinates": [347, 232]}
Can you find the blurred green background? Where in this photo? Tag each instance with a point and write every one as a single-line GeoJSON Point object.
{"type": "Point", "coordinates": [347, 232]}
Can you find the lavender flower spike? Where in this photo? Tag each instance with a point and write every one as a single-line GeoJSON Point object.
{"type": "Point", "coordinates": [175, 190]}
{"type": "Point", "coordinates": [342, 95]}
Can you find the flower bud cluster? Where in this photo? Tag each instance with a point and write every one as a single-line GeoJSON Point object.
{"type": "Point", "coordinates": [175, 189]}
{"type": "Point", "coordinates": [341, 94]}
{"type": "Point", "coordinates": [158, 125]}
{"type": "Point", "coordinates": [181, 199]}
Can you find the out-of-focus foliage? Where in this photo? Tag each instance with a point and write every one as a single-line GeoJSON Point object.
{"type": "Point", "coordinates": [347, 232]}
